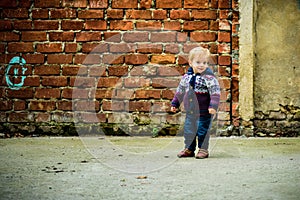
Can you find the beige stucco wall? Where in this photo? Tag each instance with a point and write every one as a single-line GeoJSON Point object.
{"type": "Point", "coordinates": [277, 54]}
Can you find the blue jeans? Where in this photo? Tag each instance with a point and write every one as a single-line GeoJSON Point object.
{"type": "Point", "coordinates": [196, 127]}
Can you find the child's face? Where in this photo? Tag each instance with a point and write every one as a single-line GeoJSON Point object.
{"type": "Point", "coordinates": [199, 64]}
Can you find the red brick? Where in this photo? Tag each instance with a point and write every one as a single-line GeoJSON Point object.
{"type": "Point", "coordinates": [83, 82]}
{"type": "Point", "coordinates": [145, 4]}
{"type": "Point", "coordinates": [141, 106]}
{"type": "Point", "coordinates": [71, 25]}
{"type": "Point", "coordinates": [65, 105]}
{"type": "Point", "coordinates": [182, 37]}
{"type": "Point", "coordinates": [203, 36]}
{"type": "Point", "coordinates": [42, 105]}
{"type": "Point", "coordinates": [46, 25]}
{"type": "Point", "coordinates": [159, 14]}
{"type": "Point", "coordinates": [235, 42]}
{"type": "Point", "coordinates": [71, 48]}
{"type": "Point", "coordinates": [87, 106]}
{"type": "Point", "coordinates": [47, 93]}
{"type": "Point", "coordinates": [224, 60]}
{"type": "Point", "coordinates": [235, 70]}
{"type": "Point", "coordinates": [213, 25]}
{"type": "Point", "coordinates": [74, 70]}
{"type": "Point", "coordinates": [19, 105]}
{"type": "Point", "coordinates": [7, 25]}
{"type": "Point", "coordinates": [32, 81]}
{"type": "Point", "coordinates": [56, 81]}
{"type": "Point", "coordinates": [115, 14]}
{"type": "Point", "coordinates": [63, 13]}
{"type": "Point", "coordinates": [20, 117]}
{"type": "Point", "coordinates": [224, 48]}
{"type": "Point", "coordinates": [167, 71]}
{"type": "Point", "coordinates": [223, 71]}
{"type": "Point", "coordinates": [172, 48]}
{"type": "Point", "coordinates": [135, 37]}
{"type": "Point", "coordinates": [15, 13]}
{"type": "Point", "coordinates": [30, 36]}
{"type": "Point", "coordinates": [91, 14]}
{"type": "Point", "coordinates": [95, 25]}
{"type": "Point", "coordinates": [214, 4]}
{"type": "Point", "coordinates": [136, 59]}
{"type": "Point", "coordinates": [168, 94]}
{"type": "Point", "coordinates": [23, 93]}
{"type": "Point", "coordinates": [46, 3]}
{"type": "Point", "coordinates": [61, 36]}
{"type": "Point", "coordinates": [225, 14]}
{"type": "Point", "coordinates": [93, 117]}
{"type": "Point", "coordinates": [195, 25]}
{"type": "Point", "coordinates": [224, 3]}
{"type": "Point", "coordinates": [20, 47]}
{"type": "Point", "coordinates": [75, 93]}
{"type": "Point", "coordinates": [34, 58]}
{"type": "Point", "coordinates": [224, 25]}
{"type": "Point", "coordinates": [136, 82]}
{"type": "Point", "coordinates": [180, 14]}
{"type": "Point", "coordinates": [204, 14]}
{"type": "Point", "coordinates": [121, 48]}
{"type": "Point", "coordinates": [163, 37]}
{"type": "Point", "coordinates": [109, 82]}
{"type": "Point", "coordinates": [138, 14]}
{"type": "Point", "coordinates": [149, 25]}
{"type": "Point", "coordinates": [88, 36]}
{"type": "Point", "coordinates": [49, 48]}
{"type": "Point", "coordinates": [2, 48]}
{"type": "Point", "coordinates": [113, 59]}
{"type": "Point", "coordinates": [74, 3]}
{"type": "Point", "coordinates": [117, 70]}
{"type": "Point", "coordinates": [97, 71]}
{"type": "Point", "coordinates": [196, 4]}
{"type": "Point", "coordinates": [172, 25]}
{"type": "Point", "coordinates": [42, 117]}
{"type": "Point", "coordinates": [123, 94]}
{"type": "Point", "coordinates": [163, 59]}
{"type": "Point", "coordinates": [112, 37]}
{"type": "Point", "coordinates": [113, 106]}
{"type": "Point", "coordinates": [47, 70]}
{"type": "Point", "coordinates": [168, 3]}
{"type": "Point", "coordinates": [6, 105]}
{"type": "Point", "coordinates": [124, 3]}
{"type": "Point", "coordinates": [147, 94]}
{"type": "Point", "coordinates": [94, 47]}
{"type": "Point", "coordinates": [87, 59]}
{"type": "Point", "coordinates": [9, 36]}
{"type": "Point", "coordinates": [164, 83]}
{"type": "Point", "coordinates": [103, 94]}
{"type": "Point", "coordinates": [149, 48]}
{"type": "Point", "coordinates": [225, 83]}
{"type": "Point", "coordinates": [40, 14]}
{"type": "Point", "coordinates": [148, 70]}
{"type": "Point", "coordinates": [224, 37]}
{"type": "Point", "coordinates": [121, 25]}
{"type": "Point", "coordinates": [59, 59]}
{"type": "Point", "coordinates": [160, 106]}
{"type": "Point", "coordinates": [8, 3]}
{"type": "Point", "coordinates": [98, 3]}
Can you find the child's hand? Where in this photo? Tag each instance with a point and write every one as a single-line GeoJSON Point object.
{"type": "Point", "coordinates": [212, 111]}
{"type": "Point", "coordinates": [173, 109]}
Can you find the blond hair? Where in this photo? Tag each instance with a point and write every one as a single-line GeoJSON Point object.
{"type": "Point", "coordinates": [201, 52]}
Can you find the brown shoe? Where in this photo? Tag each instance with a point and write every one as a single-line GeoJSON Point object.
{"type": "Point", "coordinates": [185, 153]}
{"type": "Point", "coordinates": [202, 153]}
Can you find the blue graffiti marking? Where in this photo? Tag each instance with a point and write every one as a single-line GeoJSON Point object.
{"type": "Point", "coordinates": [15, 61]}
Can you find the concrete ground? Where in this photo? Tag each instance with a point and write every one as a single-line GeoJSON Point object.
{"type": "Point", "coordinates": [147, 168]}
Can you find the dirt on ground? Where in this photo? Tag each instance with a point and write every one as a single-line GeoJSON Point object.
{"type": "Point", "coordinates": [148, 168]}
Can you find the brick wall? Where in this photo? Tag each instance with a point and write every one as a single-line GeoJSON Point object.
{"type": "Point", "coordinates": [108, 62]}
